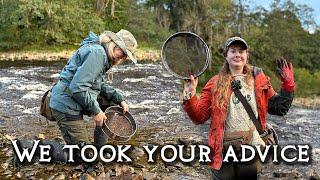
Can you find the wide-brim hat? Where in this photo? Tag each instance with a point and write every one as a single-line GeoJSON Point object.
{"type": "Point", "coordinates": [126, 41]}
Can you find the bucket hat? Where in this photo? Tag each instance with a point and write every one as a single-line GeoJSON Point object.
{"type": "Point", "coordinates": [126, 41]}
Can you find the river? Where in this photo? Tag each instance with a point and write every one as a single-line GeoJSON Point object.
{"type": "Point", "coordinates": [153, 98]}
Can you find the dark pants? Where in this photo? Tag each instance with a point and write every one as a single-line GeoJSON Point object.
{"type": "Point", "coordinates": [73, 127]}
{"type": "Point", "coordinates": [238, 170]}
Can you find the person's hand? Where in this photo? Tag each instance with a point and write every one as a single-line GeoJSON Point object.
{"type": "Point", "coordinates": [285, 71]}
{"type": "Point", "coordinates": [124, 106]}
{"type": "Point", "coordinates": [190, 87]}
{"type": "Point", "coordinates": [99, 118]}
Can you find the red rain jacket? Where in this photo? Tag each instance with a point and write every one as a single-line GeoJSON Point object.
{"type": "Point", "coordinates": [200, 110]}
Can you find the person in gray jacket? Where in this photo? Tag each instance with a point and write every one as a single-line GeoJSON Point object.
{"type": "Point", "coordinates": [82, 81]}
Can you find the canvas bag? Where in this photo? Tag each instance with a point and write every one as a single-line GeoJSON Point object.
{"type": "Point", "coordinates": [45, 109]}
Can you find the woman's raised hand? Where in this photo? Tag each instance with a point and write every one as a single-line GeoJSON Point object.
{"type": "Point", "coordinates": [285, 71]}
{"type": "Point", "coordinates": [190, 86]}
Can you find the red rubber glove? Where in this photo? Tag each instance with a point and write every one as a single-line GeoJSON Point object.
{"type": "Point", "coordinates": [285, 71]}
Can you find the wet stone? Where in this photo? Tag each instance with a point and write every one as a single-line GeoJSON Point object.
{"type": "Point", "coordinates": [60, 177]}
{"type": "Point", "coordinates": [112, 173]}
{"type": "Point", "coordinates": [89, 169]}
{"type": "Point", "coordinates": [179, 165]}
{"type": "Point", "coordinates": [149, 175]}
{"type": "Point", "coordinates": [86, 177]}
{"type": "Point", "coordinates": [138, 165]}
{"type": "Point", "coordinates": [313, 174]}
{"type": "Point", "coordinates": [292, 174]}
{"type": "Point", "coordinates": [101, 175]}
{"type": "Point", "coordinates": [30, 174]}
{"type": "Point", "coordinates": [79, 168]}
{"type": "Point", "coordinates": [5, 165]}
{"type": "Point", "coordinates": [2, 122]}
{"type": "Point", "coordinates": [118, 169]}
{"type": "Point", "coordinates": [19, 175]}
{"type": "Point", "coordinates": [9, 153]}
{"type": "Point", "coordinates": [7, 172]}
{"type": "Point", "coordinates": [137, 152]}
{"type": "Point", "coordinates": [76, 175]}
{"type": "Point", "coordinates": [131, 169]}
{"type": "Point", "coordinates": [138, 177]}
{"type": "Point", "coordinates": [93, 174]}
{"type": "Point", "coordinates": [99, 168]}
{"type": "Point", "coordinates": [171, 168]}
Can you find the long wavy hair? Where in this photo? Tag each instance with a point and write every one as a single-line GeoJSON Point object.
{"type": "Point", "coordinates": [224, 82]}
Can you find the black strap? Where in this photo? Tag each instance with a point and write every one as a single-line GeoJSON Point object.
{"type": "Point", "coordinates": [235, 87]}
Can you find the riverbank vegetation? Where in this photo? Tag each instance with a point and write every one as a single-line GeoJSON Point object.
{"type": "Point", "coordinates": [285, 29]}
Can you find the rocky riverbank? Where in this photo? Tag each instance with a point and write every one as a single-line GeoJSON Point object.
{"type": "Point", "coordinates": [153, 98]}
{"type": "Point", "coordinates": [310, 103]}
{"type": "Point", "coordinates": [141, 55]}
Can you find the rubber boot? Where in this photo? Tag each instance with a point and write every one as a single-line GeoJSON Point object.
{"type": "Point", "coordinates": [24, 144]}
{"type": "Point", "coordinates": [100, 138]}
{"type": "Point", "coordinates": [57, 153]}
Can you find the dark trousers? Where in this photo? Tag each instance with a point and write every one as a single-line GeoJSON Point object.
{"type": "Point", "coordinates": [238, 170]}
{"type": "Point", "coordinates": [73, 127]}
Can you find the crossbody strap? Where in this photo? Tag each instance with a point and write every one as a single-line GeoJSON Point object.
{"type": "Point", "coordinates": [236, 86]}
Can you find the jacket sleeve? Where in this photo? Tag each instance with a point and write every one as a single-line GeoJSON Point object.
{"type": "Point", "coordinates": [280, 103]}
{"type": "Point", "coordinates": [200, 110]}
{"type": "Point", "coordinates": [83, 79]}
{"type": "Point", "coordinates": [110, 94]}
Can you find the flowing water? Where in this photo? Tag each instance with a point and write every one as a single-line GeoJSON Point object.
{"type": "Point", "coordinates": [153, 98]}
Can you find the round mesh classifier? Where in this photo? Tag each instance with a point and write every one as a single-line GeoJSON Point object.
{"type": "Point", "coordinates": [118, 124]}
{"type": "Point", "coordinates": [185, 54]}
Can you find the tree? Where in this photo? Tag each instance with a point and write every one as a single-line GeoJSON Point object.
{"type": "Point", "coordinates": [45, 22]}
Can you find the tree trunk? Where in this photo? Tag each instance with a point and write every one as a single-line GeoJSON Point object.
{"type": "Point", "coordinates": [112, 8]}
{"type": "Point", "coordinates": [100, 6]}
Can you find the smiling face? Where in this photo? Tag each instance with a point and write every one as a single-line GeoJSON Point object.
{"type": "Point", "coordinates": [237, 57]}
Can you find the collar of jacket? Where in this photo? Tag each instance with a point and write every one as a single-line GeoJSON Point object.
{"type": "Point", "coordinates": [109, 64]}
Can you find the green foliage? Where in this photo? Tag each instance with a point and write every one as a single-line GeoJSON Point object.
{"type": "Point", "coordinates": [45, 23]}
{"type": "Point", "coordinates": [141, 23]}
{"type": "Point", "coordinates": [280, 31]}
{"type": "Point", "coordinates": [307, 83]}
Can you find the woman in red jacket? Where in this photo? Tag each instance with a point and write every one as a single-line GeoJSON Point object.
{"type": "Point", "coordinates": [229, 119]}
